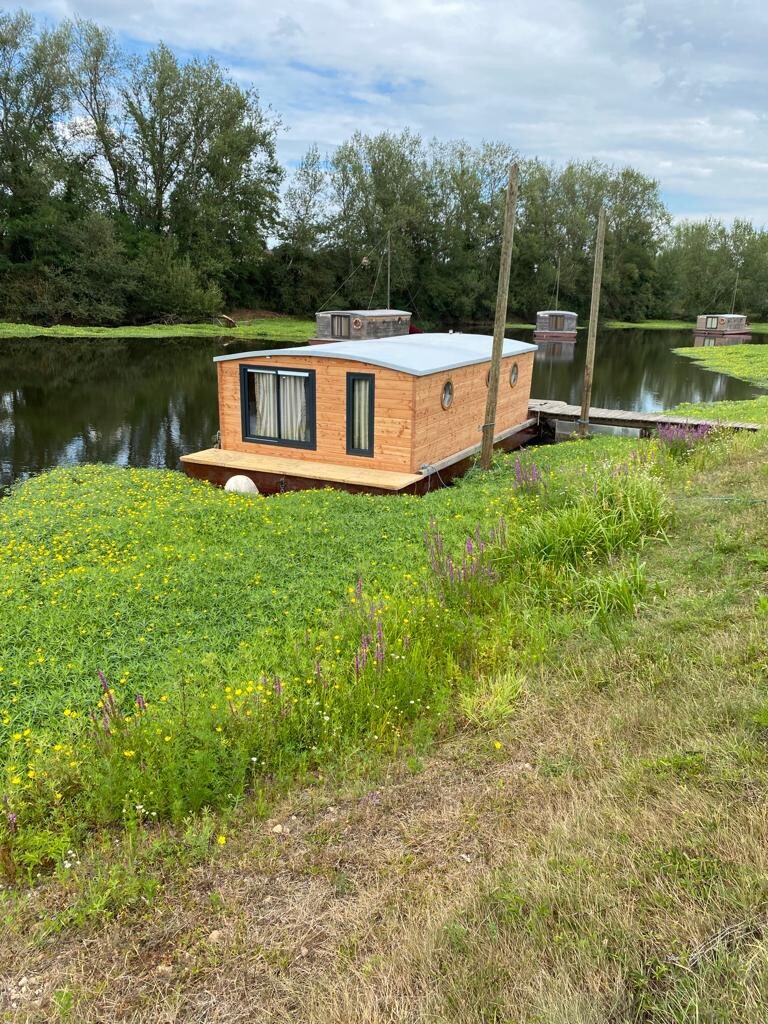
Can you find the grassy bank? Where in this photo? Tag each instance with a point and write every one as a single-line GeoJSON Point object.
{"type": "Point", "coordinates": [588, 846]}
{"type": "Point", "coordinates": [267, 329]}
{"type": "Point", "coordinates": [672, 325]}
{"type": "Point", "coordinates": [651, 325]}
{"type": "Point", "coordinates": [180, 644]}
{"type": "Point", "coordinates": [747, 362]}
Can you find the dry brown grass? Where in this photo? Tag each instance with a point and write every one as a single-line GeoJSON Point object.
{"type": "Point", "coordinates": [607, 864]}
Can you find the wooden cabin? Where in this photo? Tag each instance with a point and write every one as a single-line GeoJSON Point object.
{"type": "Point", "coordinates": [721, 324]}
{"type": "Point", "coordinates": [398, 414]}
{"type": "Point", "coordinates": [555, 325]}
{"type": "Point", "coordinates": [360, 324]}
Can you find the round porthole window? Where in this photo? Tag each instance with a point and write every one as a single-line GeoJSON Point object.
{"type": "Point", "coordinates": [513, 374]}
{"type": "Point", "coordinates": [447, 396]}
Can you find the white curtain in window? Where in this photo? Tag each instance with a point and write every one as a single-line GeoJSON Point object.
{"type": "Point", "coordinates": [293, 407]}
{"type": "Point", "coordinates": [361, 396]}
{"type": "Point", "coordinates": [262, 407]}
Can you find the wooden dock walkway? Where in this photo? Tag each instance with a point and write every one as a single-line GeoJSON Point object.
{"type": "Point", "coordinates": [544, 409]}
{"type": "Point", "coordinates": [218, 465]}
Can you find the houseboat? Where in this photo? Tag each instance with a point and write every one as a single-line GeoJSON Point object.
{"type": "Point", "coordinates": [360, 324]}
{"type": "Point", "coordinates": [721, 325]}
{"type": "Point", "coordinates": [555, 325]}
{"type": "Point", "coordinates": [390, 415]}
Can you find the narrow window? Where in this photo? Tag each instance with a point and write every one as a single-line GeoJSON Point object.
{"type": "Point", "coordinates": [557, 323]}
{"type": "Point", "coordinates": [711, 323]}
{"type": "Point", "coordinates": [278, 406]}
{"type": "Point", "coordinates": [339, 326]}
{"type": "Point", "coordinates": [360, 388]}
{"type": "Point", "coordinates": [446, 399]}
{"type": "Point", "coordinates": [513, 375]}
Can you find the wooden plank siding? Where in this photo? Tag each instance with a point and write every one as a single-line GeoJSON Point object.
{"type": "Point", "coordinates": [442, 432]}
{"type": "Point", "coordinates": [393, 413]}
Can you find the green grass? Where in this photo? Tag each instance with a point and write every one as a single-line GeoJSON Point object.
{"type": "Point", "coordinates": [589, 846]}
{"type": "Point", "coordinates": [651, 325]}
{"type": "Point", "coordinates": [269, 329]}
{"type": "Point", "coordinates": [672, 325]}
{"type": "Point", "coordinates": [228, 629]}
{"type": "Point", "coordinates": [748, 411]}
{"type": "Point", "coordinates": [747, 362]}
{"type": "Point", "coordinates": [151, 574]}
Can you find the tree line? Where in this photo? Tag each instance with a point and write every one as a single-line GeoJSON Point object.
{"type": "Point", "coordinates": [137, 188]}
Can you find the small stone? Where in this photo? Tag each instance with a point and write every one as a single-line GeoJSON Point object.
{"type": "Point", "coordinates": [466, 857]}
{"type": "Point", "coordinates": [303, 950]}
{"type": "Point", "coordinates": [166, 968]}
{"type": "Point", "coordinates": [278, 829]}
{"type": "Point", "coordinates": [215, 936]}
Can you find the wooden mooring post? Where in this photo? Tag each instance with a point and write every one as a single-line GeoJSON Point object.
{"type": "Point", "coordinates": [594, 312]}
{"type": "Point", "coordinates": [500, 320]}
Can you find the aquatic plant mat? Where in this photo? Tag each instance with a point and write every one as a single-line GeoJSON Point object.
{"type": "Point", "coordinates": [747, 362]}
{"type": "Point", "coordinates": [578, 836]}
{"type": "Point", "coordinates": [277, 328]}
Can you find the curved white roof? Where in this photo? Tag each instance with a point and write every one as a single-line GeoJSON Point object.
{"type": "Point", "coordinates": [416, 354]}
{"type": "Point", "coordinates": [556, 312]}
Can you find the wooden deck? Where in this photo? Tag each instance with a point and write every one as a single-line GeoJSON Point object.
{"type": "Point", "coordinates": [544, 409]}
{"type": "Point", "coordinates": [276, 473]}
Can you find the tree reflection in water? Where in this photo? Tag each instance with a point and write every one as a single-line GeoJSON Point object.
{"type": "Point", "coordinates": [147, 402]}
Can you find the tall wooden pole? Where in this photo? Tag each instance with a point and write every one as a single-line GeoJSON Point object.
{"type": "Point", "coordinates": [500, 321]}
{"type": "Point", "coordinates": [594, 312]}
{"type": "Point", "coordinates": [389, 266]}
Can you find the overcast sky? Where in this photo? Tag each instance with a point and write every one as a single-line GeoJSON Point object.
{"type": "Point", "coordinates": [678, 89]}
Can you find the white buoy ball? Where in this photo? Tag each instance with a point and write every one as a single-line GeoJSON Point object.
{"type": "Point", "coordinates": [241, 484]}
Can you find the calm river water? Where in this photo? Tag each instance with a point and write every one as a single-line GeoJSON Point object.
{"type": "Point", "coordinates": [145, 403]}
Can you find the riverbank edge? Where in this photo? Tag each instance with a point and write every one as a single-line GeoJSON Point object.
{"type": "Point", "coordinates": [278, 328]}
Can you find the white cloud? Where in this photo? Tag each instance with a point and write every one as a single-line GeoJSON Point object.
{"type": "Point", "coordinates": [676, 88]}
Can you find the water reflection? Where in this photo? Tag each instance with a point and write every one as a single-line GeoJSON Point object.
{"type": "Point", "coordinates": [635, 370]}
{"type": "Point", "coordinates": [145, 402]}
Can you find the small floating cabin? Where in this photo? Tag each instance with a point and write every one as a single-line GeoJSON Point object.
{"type": "Point", "coordinates": [721, 324]}
{"type": "Point", "coordinates": [555, 325]}
{"type": "Point", "coordinates": [360, 324]}
{"type": "Point", "coordinates": [384, 416]}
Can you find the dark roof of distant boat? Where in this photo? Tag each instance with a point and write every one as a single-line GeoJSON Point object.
{"type": "Point", "coordinates": [417, 354]}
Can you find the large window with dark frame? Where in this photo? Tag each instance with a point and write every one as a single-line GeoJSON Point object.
{"type": "Point", "coordinates": [278, 406]}
{"type": "Point", "coordinates": [557, 322]}
{"type": "Point", "coordinates": [360, 393]}
{"type": "Point", "coordinates": [711, 323]}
